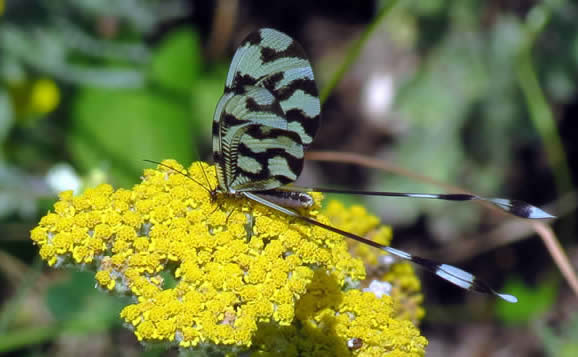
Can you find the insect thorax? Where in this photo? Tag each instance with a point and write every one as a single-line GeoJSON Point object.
{"type": "Point", "coordinates": [288, 198]}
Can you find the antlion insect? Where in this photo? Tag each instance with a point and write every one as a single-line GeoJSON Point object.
{"type": "Point", "coordinates": [267, 116]}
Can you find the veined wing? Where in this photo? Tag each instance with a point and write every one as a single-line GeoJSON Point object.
{"type": "Point", "coordinates": [267, 158]}
{"type": "Point", "coordinates": [252, 146]}
{"type": "Point", "coordinates": [270, 59]}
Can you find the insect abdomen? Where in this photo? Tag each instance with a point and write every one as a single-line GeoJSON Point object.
{"type": "Point", "coordinates": [289, 199]}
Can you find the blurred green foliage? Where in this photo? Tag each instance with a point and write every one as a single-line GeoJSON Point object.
{"type": "Point", "coordinates": [533, 302]}
{"type": "Point", "coordinates": [177, 63]}
{"type": "Point", "coordinates": [465, 106]}
{"type": "Point", "coordinates": [562, 340]}
{"type": "Point", "coordinates": [112, 99]}
{"type": "Point", "coordinates": [77, 305]}
{"type": "Point", "coordinates": [164, 119]}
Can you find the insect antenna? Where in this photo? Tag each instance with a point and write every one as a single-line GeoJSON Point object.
{"type": "Point", "coordinates": [209, 190]}
{"type": "Point", "coordinates": [450, 273]}
{"type": "Point", "coordinates": [212, 191]}
{"type": "Point", "coordinates": [207, 179]}
{"type": "Point", "coordinates": [514, 207]}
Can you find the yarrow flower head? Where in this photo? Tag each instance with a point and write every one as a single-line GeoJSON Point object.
{"type": "Point", "coordinates": [397, 277]}
{"type": "Point", "coordinates": [223, 273]}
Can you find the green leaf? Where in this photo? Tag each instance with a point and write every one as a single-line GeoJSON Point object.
{"type": "Point", "coordinates": [532, 302]}
{"type": "Point", "coordinates": [120, 128]}
{"type": "Point", "coordinates": [65, 299]}
{"type": "Point", "coordinates": [6, 116]}
{"type": "Point", "coordinates": [204, 95]}
{"type": "Point", "coordinates": [79, 306]}
{"type": "Point", "coordinates": [176, 64]}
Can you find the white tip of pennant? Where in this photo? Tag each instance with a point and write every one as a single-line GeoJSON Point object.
{"type": "Point", "coordinates": [509, 298]}
{"type": "Point", "coordinates": [537, 213]}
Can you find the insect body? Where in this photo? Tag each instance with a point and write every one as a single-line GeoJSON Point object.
{"type": "Point", "coordinates": [267, 116]}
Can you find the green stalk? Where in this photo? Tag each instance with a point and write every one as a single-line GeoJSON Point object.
{"type": "Point", "coordinates": [538, 107]}
{"type": "Point", "coordinates": [355, 51]}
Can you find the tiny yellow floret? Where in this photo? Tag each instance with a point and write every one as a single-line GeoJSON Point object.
{"type": "Point", "coordinates": [406, 287]}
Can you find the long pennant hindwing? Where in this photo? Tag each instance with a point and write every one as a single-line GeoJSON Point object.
{"type": "Point", "coordinates": [269, 114]}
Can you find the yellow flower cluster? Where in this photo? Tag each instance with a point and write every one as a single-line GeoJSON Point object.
{"type": "Point", "coordinates": [333, 322]}
{"type": "Point", "coordinates": [219, 271]}
{"type": "Point", "coordinates": [406, 287]}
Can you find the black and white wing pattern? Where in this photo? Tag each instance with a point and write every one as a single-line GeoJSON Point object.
{"type": "Point", "coordinates": [268, 114]}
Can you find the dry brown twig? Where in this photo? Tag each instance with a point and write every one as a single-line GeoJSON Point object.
{"type": "Point", "coordinates": [222, 30]}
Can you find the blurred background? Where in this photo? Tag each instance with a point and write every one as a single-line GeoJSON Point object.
{"type": "Point", "coordinates": [476, 94]}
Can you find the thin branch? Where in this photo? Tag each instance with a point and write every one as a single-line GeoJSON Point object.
{"type": "Point", "coordinates": [507, 232]}
{"type": "Point", "coordinates": [365, 161]}
{"type": "Point", "coordinates": [560, 258]}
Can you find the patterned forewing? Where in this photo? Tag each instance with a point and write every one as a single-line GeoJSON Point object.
{"type": "Point", "coordinates": [252, 146]}
{"type": "Point", "coordinates": [267, 158]}
{"type": "Point", "coordinates": [270, 59]}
